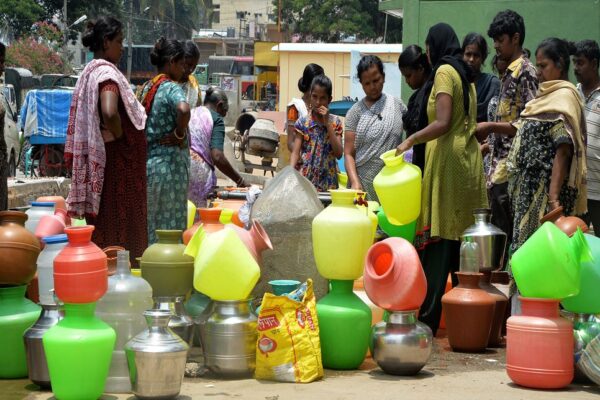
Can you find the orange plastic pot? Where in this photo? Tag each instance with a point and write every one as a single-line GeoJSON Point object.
{"type": "Point", "coordinates": [111, 258]}
{"type": "Point", "coordinates": [80, 269]}
{"type": "Point", "coordinates": [539, 346]}
{"type": "Point", "coordinates": [393, 276]}
{"type": "Point", "coordinates": [209, 219]}
{"type": "Point", "coordinates": [51, 225]}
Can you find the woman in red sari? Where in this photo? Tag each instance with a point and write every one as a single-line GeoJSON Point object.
{"type": "Point", "coordinates": [106, 145]}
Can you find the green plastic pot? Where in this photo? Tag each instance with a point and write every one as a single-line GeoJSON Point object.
{"type": "Point", "coordinates": [344, 326]}
{"type": "Point", "coordinates": [548, 266]}
{"type": "Point", "coordinates": [587, 301]}
{"type": "Point", "coordinates": [79, 350]}
{"type": "Point", "coordinates": [17, 314]}
{"type": "Point", "coordinates": [407, 231]}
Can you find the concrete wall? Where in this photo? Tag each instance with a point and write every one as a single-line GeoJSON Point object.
{"type": "Point", "coordinates": [336, 66]}
{"type": "Point", "coordinates": [229, 8]}
{"type": "Point", "coordinates": [570, 19]}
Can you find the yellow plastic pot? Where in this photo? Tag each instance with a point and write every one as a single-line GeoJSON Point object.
{"type": "Point", "coordinates": [224, 268]}
{"type": "Point", "coordinates": [342, 179]}
{"type": "Point", "coordinates": [342, 235]}
{"type": "Point", "coordinates": [398, 186]}
{"type": "Point", "coordinates": [191, 214]}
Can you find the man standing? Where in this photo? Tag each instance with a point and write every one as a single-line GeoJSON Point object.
{"type": "Point", "coordinates": [586, 62]}
{"type": "Point", "coordinates": [518, 86]}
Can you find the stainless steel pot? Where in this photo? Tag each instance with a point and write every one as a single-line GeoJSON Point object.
{"type": "Point", "coordinates": [403, 345]}
{"type": "Point", "coordinates": [36, 356]}
{"type": "Point", "coordinates": [491, 241]}
{"type": "Point", "coordinates": [181, 323]}
{"type": "Point", "coordinates": [156, 358]}
{"type": "Point", "coordinates": [229, 338]}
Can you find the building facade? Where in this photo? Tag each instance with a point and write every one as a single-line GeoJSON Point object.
{"type": "Point", "coordinates": [247, 18]}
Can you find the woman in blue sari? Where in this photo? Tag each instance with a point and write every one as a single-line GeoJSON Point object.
{"type": "Point", "coordinates": [168, 162]}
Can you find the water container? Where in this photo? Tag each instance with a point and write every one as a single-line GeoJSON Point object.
{"type": "Point", "coordinates": [45, 266]}
{"type": "Point", "coordinates": [398, 186]}
{"type": "Point", "coordinates": [36, 212]}
{"type": "Point", "coordinates": [469, 257]}
{"type": "Point", "coordinates": [224, 268]}
{"type": "Point", "coordinates": [122, 308]}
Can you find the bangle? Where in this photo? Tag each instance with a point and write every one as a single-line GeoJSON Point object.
{"type": "Point", "coordinates": [177, 137]}
{"type": "Point", "coordinates": [239, 181]}
{"type": "Point", "coordinates": [553, 201]}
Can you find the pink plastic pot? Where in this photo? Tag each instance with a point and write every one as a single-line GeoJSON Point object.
{"type": "Point", "coordinates": [256, 239]}
{"type": "Point", "coordinates": [51, 225]}
{"type": "Point", "coordinates": [393, 276]}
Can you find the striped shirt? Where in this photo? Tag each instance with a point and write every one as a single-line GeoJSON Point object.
{"type": "Point", "coordinates": [592, 116]}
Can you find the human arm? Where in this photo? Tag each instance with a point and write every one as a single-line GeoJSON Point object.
{"type": "Point", "coordinates": [296, 148]}
{"type": "Point", "coordinates": [436, 129]}
{"type": "Point", "coordinates": [110, 128]}
{"type": "Point", "coordinates": [334, 132]}
{"type": "Point", "coordinates": [560, 169]}
{"type": "Point", "coordinates": [502, 128]}
{"type": "Point", "coordinates": [349, 160]}
{"type": "Point", "coordinates": [222, 163]}
{"type": "Point", "coordinates": [292, 117]}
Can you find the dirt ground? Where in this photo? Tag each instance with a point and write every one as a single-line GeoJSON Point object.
{"type": "Point", "coordinates": [448, 375]}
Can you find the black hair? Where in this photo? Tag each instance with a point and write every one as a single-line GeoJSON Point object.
{"type": "Point", "coordinates": [507, 22]}
{"type": "Point", "coordinates": [97, 31]}
{"type": "Point", "coordinates": [310, 72]}
{"type": "Point", "coordinates": [589, 49]}
{"type": "Point", "coordinates": [367, 62]}
{"type": "Point", "coordinates": [527, 53]}
{"type": "Point", "coordinates": [414, 57]}
{"type": "Point", "coordinates": [166, 50]}
{"type": "Point", "coordinates": [2, 49]}
{"type": "Point", "coordinates": [324, 82]}
{"type": "Point", "coordinates": [479, 40]}
{"type": "Point", "coordinates": [559, 51]}
{"type": "Point", "coordinates": [494, 62]}
{"type": "Point", "coordinates": [215, 95]}
{"type": "Point", "coordinates": [190, 49]}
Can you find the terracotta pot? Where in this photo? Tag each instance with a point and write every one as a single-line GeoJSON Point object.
{"type": "Point", "coordinates": [111, 258]}
{"type": "Point", "coordinates": [51, 225]}
{"type": "Point", "coordinates": [209, 219]}
{"type": "Point", "coordinates": [495, 339]}
{"type": "Point", "coordinates": [568, 224]}
{"type": "Point", "coordinates": [80, 269]}
{"type": "Point", "coordinates": [539, 346]}
{"type": "Point", "coordinates": [469, 314]}
{"type": "Point", "coordinates": [256, 239]}
{"type": "Point", "coordinates": [19, 249]}
{"type": "Point", "coordinates": [59, 201]}
{"type": "Point", "coordinates": [393, 277]}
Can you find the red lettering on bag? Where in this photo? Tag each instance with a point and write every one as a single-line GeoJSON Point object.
{"type": "Point", "coordinates": [267, 322]}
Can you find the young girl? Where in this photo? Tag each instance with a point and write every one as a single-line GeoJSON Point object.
{"type": "Point", "coordinates": [318, 142]}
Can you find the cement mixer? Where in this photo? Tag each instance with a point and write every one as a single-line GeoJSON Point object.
{"type": "Point", "coordinates": [256, 137]}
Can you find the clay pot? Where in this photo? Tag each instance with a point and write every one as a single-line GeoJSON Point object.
{"type": "Point", "coordinates": [80, 270]}
{"type": "Point", "coordinates": [495, 338]}
{"type": "Point", "coordinates": [256, 239]}
{"type": "Point", "coordinates": [111, 258]}
{"type": "Point", "coordinates": [19, 249]}
{"type": "Point", "coordinates": [209, 219]}
{"type": "Point", "coordinates": [51, 225]}
{"type": "Point", "coordinates": [469, 314]}
{"type": "Point", "coordinates": [393, 276]}
{"type": "Point", "coordinates": [568, 224]}
{"type": "Point", "coordinates": [59, 201]}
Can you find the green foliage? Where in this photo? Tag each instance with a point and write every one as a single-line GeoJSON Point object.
{"type": "Point", "coordinates": [20, 15]}
{"type": "Point", "coordinates": [334, 20]}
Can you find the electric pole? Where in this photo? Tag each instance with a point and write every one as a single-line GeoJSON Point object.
{"type": "Point", "coordinates": [65, 36]}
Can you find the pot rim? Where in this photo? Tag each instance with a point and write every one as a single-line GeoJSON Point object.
{"type": "Point", "coordinates": [375, 251]}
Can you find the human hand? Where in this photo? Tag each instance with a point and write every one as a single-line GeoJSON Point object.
{"type": "Point", "coordinates": [173, 140]}
{"type": "Point", "coordinates": [322, 114]}
{"type": "Point", "coordinates": [405, 146]}
{"type": "Point", "coordinates": [485, 148]}
{"type": "Point", "coordinates": [241, 183]}
{"type": "Point", "coordinates": [107, 136]}
{"type": "Point", "coordinates": [356, 186]}
{"type": "Point", "coordinates": [482, 130]}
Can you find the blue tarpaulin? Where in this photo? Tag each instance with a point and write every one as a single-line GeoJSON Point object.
{"type": "Point", "coordinates": [45, 113]}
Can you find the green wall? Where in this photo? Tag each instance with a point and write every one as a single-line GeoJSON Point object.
{"type": "Point", "coordinates": [570, 19]}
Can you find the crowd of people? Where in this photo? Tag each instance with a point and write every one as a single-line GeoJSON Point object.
{"type": "Point", "coordinates": [522, 143]}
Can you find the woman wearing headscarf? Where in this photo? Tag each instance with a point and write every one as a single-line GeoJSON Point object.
{"type": "Point", "coordinates": [453, 180]}
{"type": "Point", "coordinates": [106, 146]}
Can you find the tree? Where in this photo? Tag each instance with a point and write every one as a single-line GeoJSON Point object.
{"type": "Point", "coordinates": [20, 15]}
{"type": "Point", "coordinates": [336, 20]}
{"type": "Point", "coordinates": [174, 18]}
{"type": "Point", "coordinates": [34, 55]}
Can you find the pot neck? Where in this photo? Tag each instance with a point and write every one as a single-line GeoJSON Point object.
{"type": "Point", "coordinates": [482, 215]}
{"type": "Point", "coordinates": [13, 217]}
{"type": "Point", "coordinates": [79, 235]}
{"type": "Point", "coordinates": [232, 307]}
{"type": "Point", "coordinates": [260, 237]}
{"type": "Point", "coordinates": [80, 311]}
{"type": "Point", "coordinates": [469, 280]}
{"type": "Point", "coordinates": [210, 215]}
{"type": "Point", "coordinates": [169, 236]}
{"type": "Point", "coordinates": [157, 320]}
{"type": "Point", "coordinates": [343, 197]}
{"type": "Point", "coordinates": [390, 159]}
{"type": "Point", "coordinates": [581, 247]}
{"type": "Point", "coordinates": [544, 308]}
{"type": "Point", "coordinates": [403, 317]}
{"type": "Point", "coordinates": [339, 286]}
{"type": "Point", "coordinates": [12, 294]}
{"type": "Point", "coordinates": [123, 263]}
{"type": "Point", "coordinates": [486, 278]}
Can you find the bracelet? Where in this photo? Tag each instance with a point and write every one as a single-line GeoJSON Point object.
{"type": "Point", "coordinates": [239, 181]}
{"type": "Point", "coordinates": [553, 201]}
{"type": "Point", "coordinates": [177, 137]}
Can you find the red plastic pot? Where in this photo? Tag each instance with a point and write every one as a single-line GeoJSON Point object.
{"type": "Point", "coordinates": [209, 219]}
{"type": "Point", "coordinates": [80, 269]}
{"type": "Point", "coordinates": [51, 225]}
{"type": "Point", "coordinates": [393, 276]}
